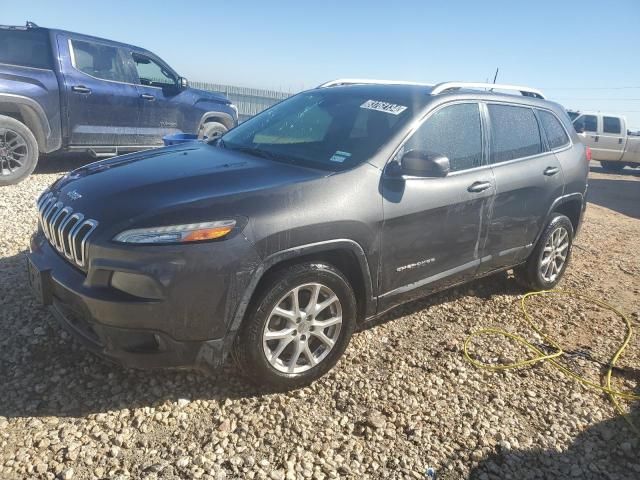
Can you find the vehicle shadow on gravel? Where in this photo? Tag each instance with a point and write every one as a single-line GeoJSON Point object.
{"type": "Point", "coordinates": [616, 194]}
{"type": "Point", "coordinates": [62, 162]}
{"type": "Point", "coordinates": [605, 450]}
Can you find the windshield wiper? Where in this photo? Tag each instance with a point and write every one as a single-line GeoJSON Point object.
{"type": "Point", "coordinates": [256, 152]}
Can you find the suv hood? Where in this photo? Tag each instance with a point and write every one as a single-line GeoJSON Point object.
{"type": "Point", "coordinates": [200, 95]}
{"type": "Point", "coordinates": [180, 184]}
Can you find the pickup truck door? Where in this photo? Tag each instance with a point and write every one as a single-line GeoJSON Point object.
{"type": "Point", "coordinates": [160, 98]}
{"type": "Point", "coordinates": [433, 227]}
{"type": "Point", "coordinates": [587, 127]}
{"type": "Point", "coordinates": [100, 98]}
{"type": "Point", "coordinates": [612, 134]}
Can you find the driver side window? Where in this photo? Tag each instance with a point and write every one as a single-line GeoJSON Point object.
{"type": "Point", "coordinates": [152, 73]}
{"type": "Point", "coordinates": [455, 132]}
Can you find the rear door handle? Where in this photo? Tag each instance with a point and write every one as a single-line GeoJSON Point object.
{"type": "Point", "coordinates": [551, 171]}
{"type": "Point", "coordinates": [596, 138]}
{"type": "Point", "coordinates": [81, 89]}
{"type": "Point", "coordinates": [476, 187]}
{"type": "Point", "coordinates": [146, 96]}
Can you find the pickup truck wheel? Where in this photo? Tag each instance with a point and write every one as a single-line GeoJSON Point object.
{"type": "Point", "coordinates": [613, 167]}
{"type": "Point", "coordinates": [18, 151]}
{"type": "Point", "coordinates": [298, 327]}
{"type": "Point", "coordinates": [548, 261]}
{"type": "Point", "coordinates": [212, 130]}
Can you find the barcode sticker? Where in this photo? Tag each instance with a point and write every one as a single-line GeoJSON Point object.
{"type": "Point", "coordinates": [391, 108]}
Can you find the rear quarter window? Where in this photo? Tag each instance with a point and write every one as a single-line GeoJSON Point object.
{"type": "Point", "coordinates": [26, 48]}
{"type": "Point", "coordinates": [514, 133]}
{"type": "Point", "coordinates": [556, 134]}
{"type": "Point", "coordinates": [611, 125]}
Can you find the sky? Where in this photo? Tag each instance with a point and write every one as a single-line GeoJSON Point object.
{"type": "Point", "coordinates": [583, 54]}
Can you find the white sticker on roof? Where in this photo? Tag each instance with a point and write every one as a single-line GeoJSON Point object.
{"type": "Point", "coordinates": [391, 108]}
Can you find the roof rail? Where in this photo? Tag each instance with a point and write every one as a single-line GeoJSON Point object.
{"type": "Point", "coordinates": [365, 81]}
{"type": "Point", "coordinates": [525, 91]}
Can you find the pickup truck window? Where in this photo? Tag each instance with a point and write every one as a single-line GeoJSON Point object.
{"type": "Point", "coordinates": [152, 73]}
{"type": "Point", "coordinates": [97, 60]}
{"type": "Point", "coordinates": [25, 48]}
{"type": "Point", "coordinates": [454, 132]}
{"type": "Point", "coordinates": [586, 123]}
{"type": "Point", "coordinates": [611, 125]}
{"type": "Point", "coordinates": [556, 135]}
{"type": "Point", "coordinates": [514, 133]}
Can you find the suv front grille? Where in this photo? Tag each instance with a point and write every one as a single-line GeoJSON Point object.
{"type": "Point", "coordinates": [66, 230]}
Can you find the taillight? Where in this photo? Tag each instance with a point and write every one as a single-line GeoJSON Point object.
{"type": "Point", "coordinates": [588, 153]}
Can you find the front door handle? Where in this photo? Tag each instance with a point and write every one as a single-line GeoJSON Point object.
{"type": "Point", "coordinates": [81, 89]}
{"type": "Point", "coordinates": [476, 187]}
{"type": "Point", "coordinates": [551, 171]}
{"type": "Point", "coordinates": [596, 138]}
{"type": "Point", "coordinates": [146, 96]}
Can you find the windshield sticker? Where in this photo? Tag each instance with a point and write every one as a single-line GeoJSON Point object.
{"type": "Point", "coordinates": [391, 108]}
{"type": "Point", "coordinates": [339, 156]}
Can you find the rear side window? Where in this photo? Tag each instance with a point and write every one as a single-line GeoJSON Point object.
{"type": "Point", "coordinates": [454, 132]}
{"type": "Point", "coordinates": [514, 133]}
{"type": "Point", "coordinates": [556, 135]}
{"type": "Point", "coordinates": [98, 60]}
{"type": "Point", "coordinates": [611, 125]}
{"type": "Point", "coordinates": [586, 123]}
{"type": "Point", "coordinates": [26, 48]}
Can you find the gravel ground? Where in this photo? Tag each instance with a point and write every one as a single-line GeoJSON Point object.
{"type": "Point", "coordinates": [403, 399]}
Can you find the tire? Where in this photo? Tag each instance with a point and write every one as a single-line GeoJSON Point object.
{"type": "Point", "coordinates": [251, 349]}
{"type": "Point", "coordinates": [534, 274]}
{"type": "Point", "coordinates": [18, 151]}
{"type": "Point", "coordinates": [212, 130]}
{"type": "Point", "coordinates": [613, 167]}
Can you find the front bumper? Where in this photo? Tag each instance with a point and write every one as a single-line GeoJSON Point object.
{"type": "Point", "coordinates": [170, 331]}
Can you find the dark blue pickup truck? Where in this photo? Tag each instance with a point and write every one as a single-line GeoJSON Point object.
{"type": "Point", "coordinates": [62, 91]}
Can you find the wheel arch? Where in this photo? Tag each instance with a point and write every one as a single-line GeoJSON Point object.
{"type": "Point", "coordinates": [220, 117]}
{"type": "Point", "coordinates": [345, 255]}
{"type": "Point", "coordinates": [571, 205]}
{"type": "Point", "coordinates": [30, 113]}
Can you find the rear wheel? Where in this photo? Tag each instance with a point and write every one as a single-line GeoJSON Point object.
{"type": "Point", "coordinates": [548, 261]}
{"type": "Point", "coordinates": [18, 151]}
{"type": "Point", "coordinates": [298, 328]}
{"type": "Point", "coordinates": [613, 167]}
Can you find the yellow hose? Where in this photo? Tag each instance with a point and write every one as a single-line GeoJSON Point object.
{"type": "Point", "coordinates": [558, 352]}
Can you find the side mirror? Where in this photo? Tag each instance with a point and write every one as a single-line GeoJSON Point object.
{"type": "Point", "coordinates": [419, 163]}
{"type": "Point", "coordinates": [579, 128]}
{"type": "Point", "coordinates": [183, 83]}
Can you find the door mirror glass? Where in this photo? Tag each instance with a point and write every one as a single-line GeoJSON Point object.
{"type": "Point", "coordinates": [183, 83]}
{"type": "Point", "coordinates": [419, 163]}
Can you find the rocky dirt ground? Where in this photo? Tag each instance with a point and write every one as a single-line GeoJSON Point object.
{"type": "Point", "coordinates": [403, 399]}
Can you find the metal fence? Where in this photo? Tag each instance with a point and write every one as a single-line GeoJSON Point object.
{"type": "Point", "coordinates": [249, 101]}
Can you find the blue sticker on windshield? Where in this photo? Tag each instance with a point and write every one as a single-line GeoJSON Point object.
{"type": "Point", "coordinates": [339, 156]}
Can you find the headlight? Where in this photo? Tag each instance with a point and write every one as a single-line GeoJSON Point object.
{"type": "Point", "coordinates": [234, 108]}
{"type": "Point", "coordinates": [192, 232]}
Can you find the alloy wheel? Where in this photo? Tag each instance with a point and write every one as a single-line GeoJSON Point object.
{"type": "Point", "coordinates": [302, 328]}
{"type": "Point", "coordinates": [13, 151]}
{"type": "Point", "coordinates": [554, 254]}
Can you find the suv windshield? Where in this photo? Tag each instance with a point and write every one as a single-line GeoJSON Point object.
{"type": "Point", "coordinates": [331, 129]}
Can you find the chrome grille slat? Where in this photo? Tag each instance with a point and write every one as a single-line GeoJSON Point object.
{"type": "Point", "coordinates": [67, 231]}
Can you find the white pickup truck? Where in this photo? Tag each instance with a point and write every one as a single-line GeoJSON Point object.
{"type": "Point", "coordinates": [610, 142]}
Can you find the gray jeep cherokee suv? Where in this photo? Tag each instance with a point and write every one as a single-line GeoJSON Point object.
{"type": "Point", "coordinates": [326, 210]}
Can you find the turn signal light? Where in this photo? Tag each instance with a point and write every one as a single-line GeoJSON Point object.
{"type": "Point", "coordinates": [206, 234]}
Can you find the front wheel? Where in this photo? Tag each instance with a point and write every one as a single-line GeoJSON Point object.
{"type": "Point", "coordinates": [18, 151]}
{"type": "Point", "coordinates": [613, 167]}
{"type": "Point", "coordinates": [548, 261]}
{"type": "Point", "coordinates": [298, 328]}
{"type": "Point", "coordinates": [211, 130]}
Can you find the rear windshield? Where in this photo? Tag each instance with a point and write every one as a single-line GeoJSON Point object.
{"type": "Point", "coordinates": [331, 129]}
{"type": "Point", "coordinates": [26, 48]}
